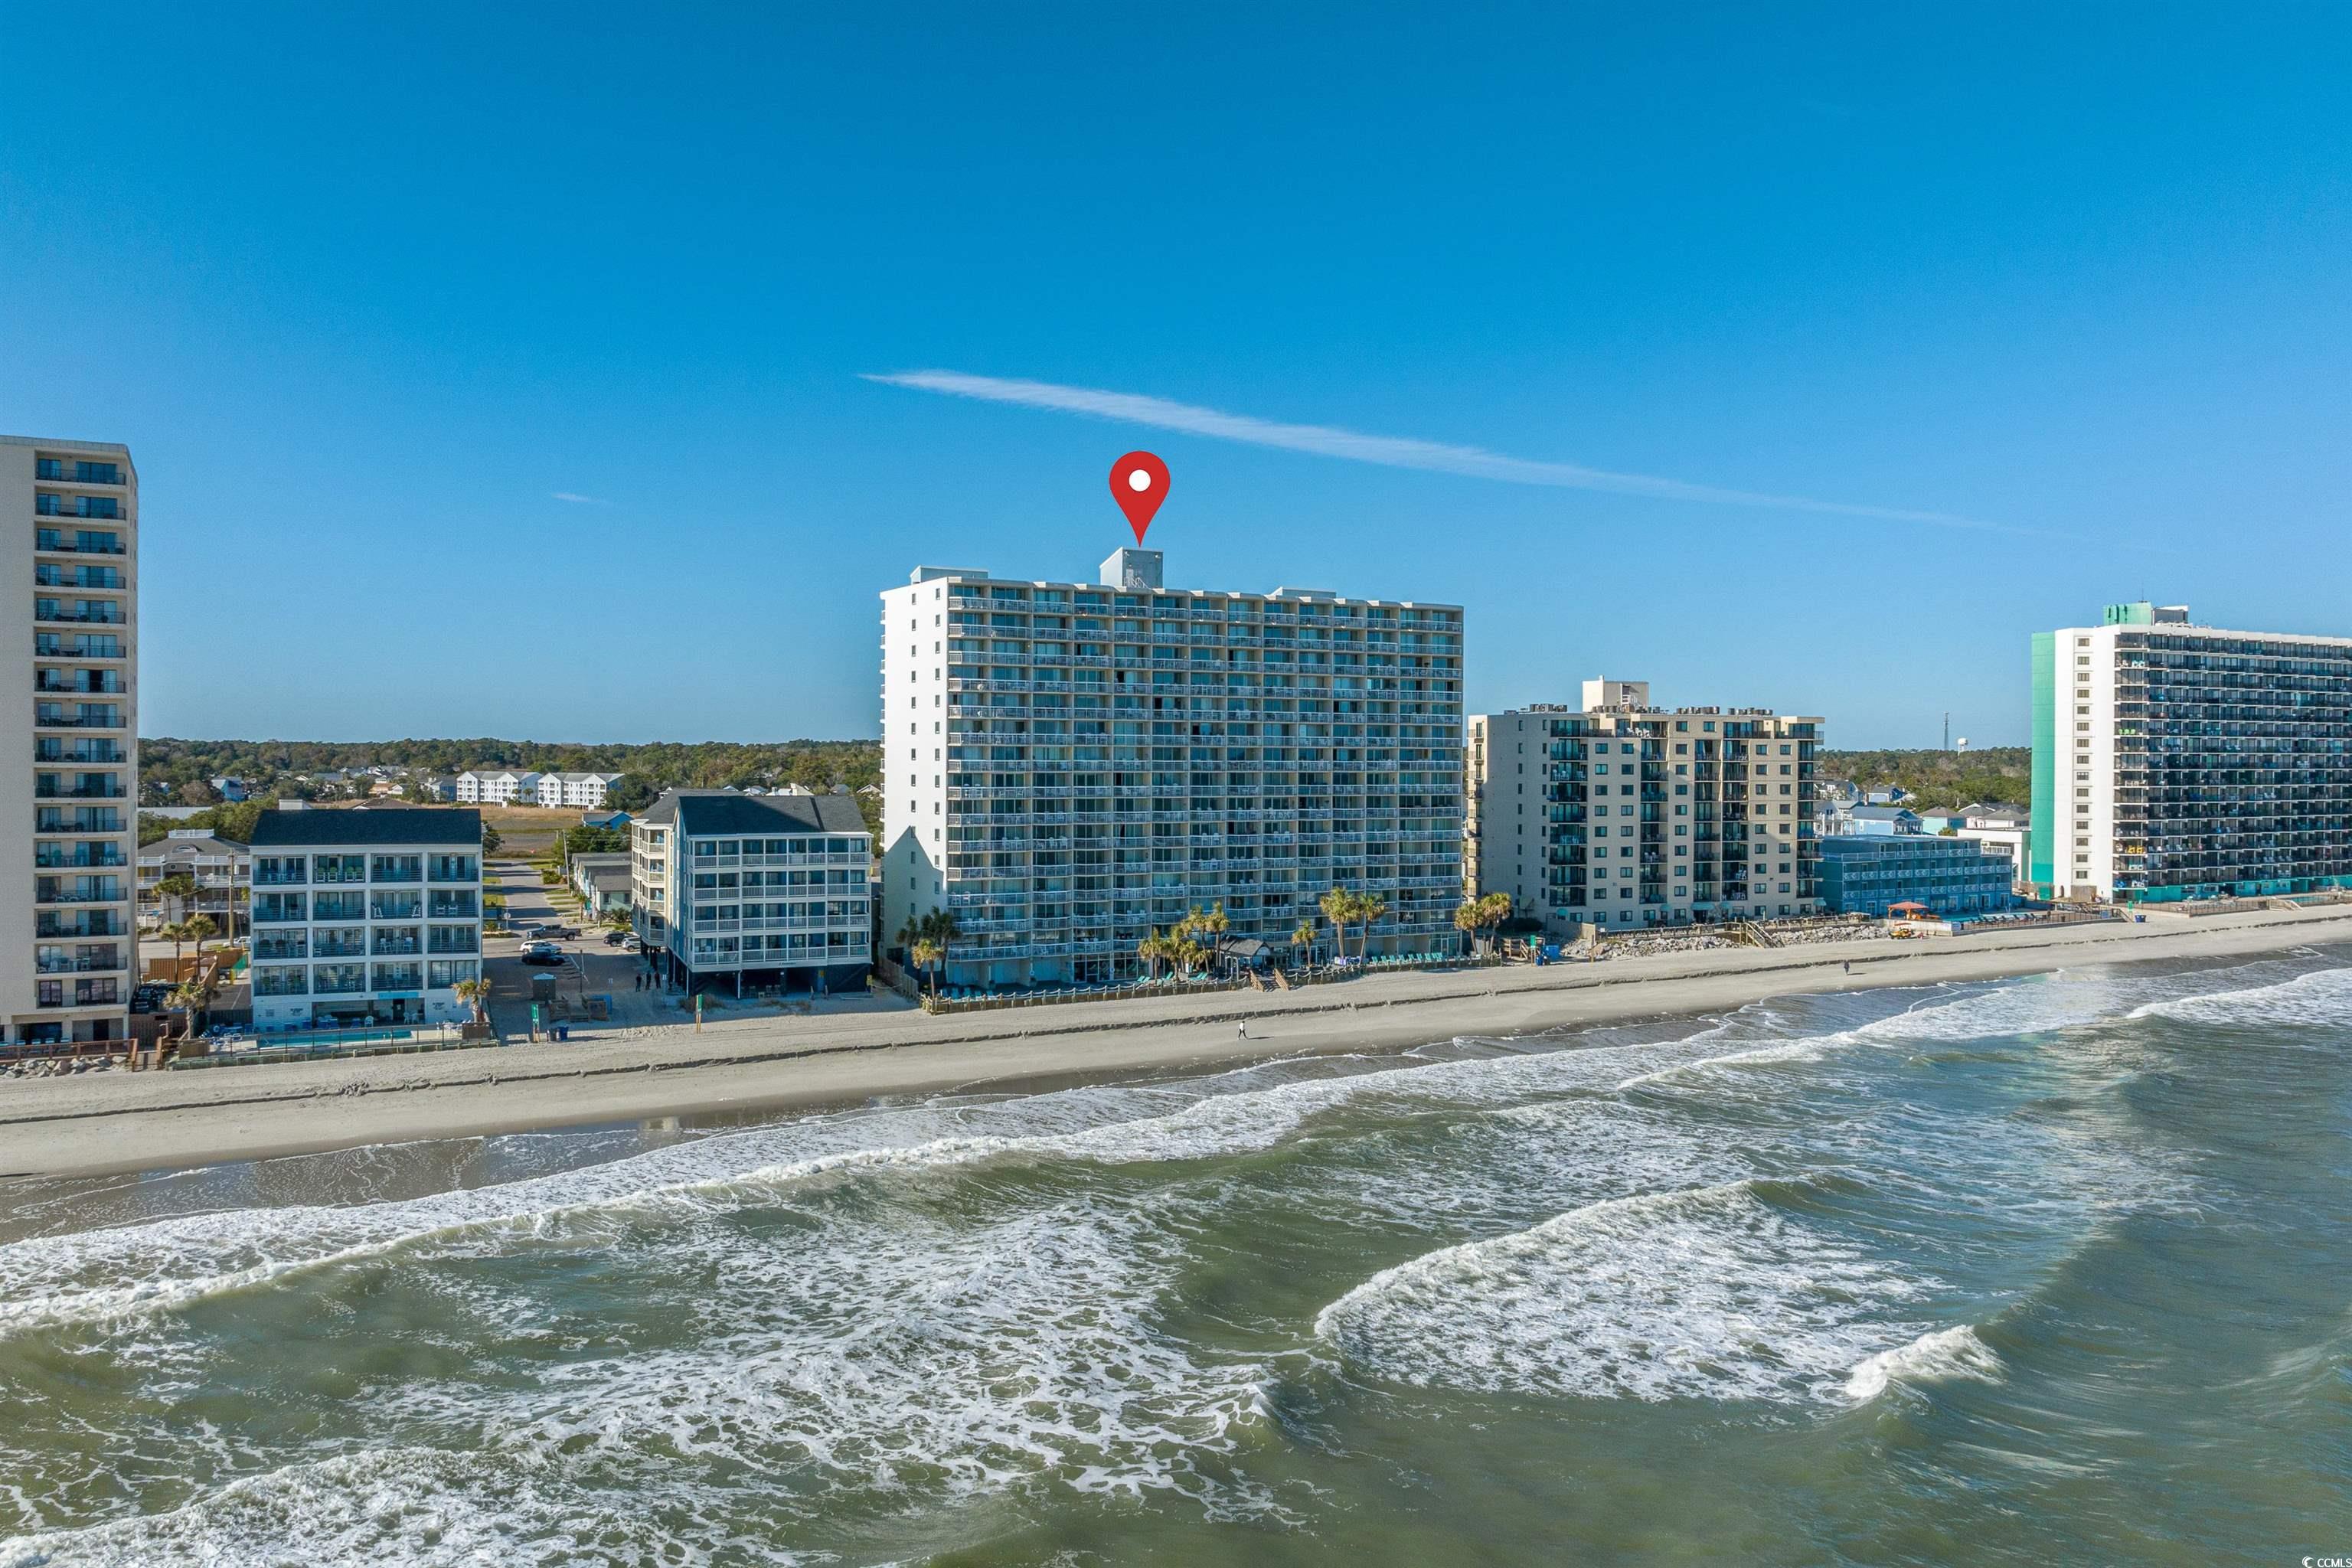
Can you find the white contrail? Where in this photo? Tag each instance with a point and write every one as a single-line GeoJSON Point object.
{"type": "Point", "coordinates": [1391, 451]}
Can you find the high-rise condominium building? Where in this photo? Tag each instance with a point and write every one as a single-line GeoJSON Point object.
{"type": "Point", "coordinates": [2174, 761]}
{"type": "Point", "coordinates": [1619, 814]}
{"type": "Point", "coordinates": [1069, 766]}
{"type": "Point", "coordinates": [69, 753]}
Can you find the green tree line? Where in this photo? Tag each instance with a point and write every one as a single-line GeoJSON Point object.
{"type": "Point", "coordinates": [2000, 774]}
{"type": "Point", "coordinates": [178, 771]}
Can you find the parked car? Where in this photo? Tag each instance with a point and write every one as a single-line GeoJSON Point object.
{"type": "Point", "coordinates": [569, 931]}
{"type": "Point", "coordinates": [615, 938]}
{"type": "Point", "coordinates": [542, 952]}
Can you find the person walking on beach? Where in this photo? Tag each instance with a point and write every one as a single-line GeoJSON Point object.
{"type": "Point", "coordinates": [1849, 966]}
{"type": "Point", "coordinates": [1245, 1029]}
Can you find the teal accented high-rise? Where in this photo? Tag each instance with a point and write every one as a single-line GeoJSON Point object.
{"type": "Point", "coordinates": [2175, 762]}
{"type": "Point", "coordinates": [2040, 864]}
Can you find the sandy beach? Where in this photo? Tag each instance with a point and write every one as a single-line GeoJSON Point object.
{"type": "Point", "coordinates": [122, 1121]}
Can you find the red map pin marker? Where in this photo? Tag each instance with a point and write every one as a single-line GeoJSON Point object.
{"type": "Point", "coordinates": [1139, 483]}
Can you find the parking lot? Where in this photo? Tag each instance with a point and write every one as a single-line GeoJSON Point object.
{"type": "Point", "coordinates": [591, 967]}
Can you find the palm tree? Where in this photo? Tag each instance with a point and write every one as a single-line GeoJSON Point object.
{"type": "Point", "coordinates": [201, 929]}
{"type": "Point", "coordinates": [937, 932]}
{"type": "Point", "coordinates": [1498, 910]}
{"type": "Point", "coordinates": [174, 891]}
{"type": "Point", "coordinates": [924, 953]}
{"type": "Point", "coordinates": [176, 932]}
{"type": "Point", "coordinates": [1152, 950]}
{"type": "Point", "coordinates": [188, 998]}
{"type": "Point", "coordinates": [474, 994]}
{"type": "Point", "coordinates": [1476, 917]}
{"type": "Point", "coordinates": [1338, 907]}
{"type": "Point", "coordinates": [1370, 907]}
{"type": "Point", "coordinates": [1303, 938]}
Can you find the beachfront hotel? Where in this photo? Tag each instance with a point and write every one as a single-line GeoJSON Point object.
{"type": "Point", "coordinates": [751, 892]}
{"type": "Point", "coordinates": [365, 917]}
{"type": "Point", "coordinates": [1069, 766]}
{"type": "Point", "coordinates": [1619, 814]}
{"type": "Point", "coordinates": [68, 761]}
{"type": "Point", "coordinates": [2173, 761]}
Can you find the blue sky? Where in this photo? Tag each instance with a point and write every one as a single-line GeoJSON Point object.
{"type": "Point", "coordinates": [367, 290]}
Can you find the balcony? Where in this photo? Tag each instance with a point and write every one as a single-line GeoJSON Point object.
{"type": "Point", "coordinates": [50, 540]}
{"type": "Point", "coordinates": [91, 684]}
{"type": "Point", "coordinates": [85, 892]}
{"type": "Point", "coordinates": [78, 791]}
{"type": "Point", "coordinates": [48, 928]}
{"type": "Point", "coordinates": [86, 579]}
{"type": "Point", "coordinates": [57, 857]}
{"type": "Point", "coordinates": [84, 819]}
{"type": "Point", "coordinates": [83, 963]}
{"type": "Point", "coordinates": [85, 994]}
{"type": "Point", "coordinates": [56, 471]}
{"type": "Point", "coordinates": [111, 616]}
{"type": "Point", "coordinates": [51, 718]}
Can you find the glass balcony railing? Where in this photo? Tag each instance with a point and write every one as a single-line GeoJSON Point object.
{"type": "Point", "coordinates": [57, 857]}
{"type": "Point", "coordinates": [81, 543]}
{"type": "Point", "coordinates": [105, 959]}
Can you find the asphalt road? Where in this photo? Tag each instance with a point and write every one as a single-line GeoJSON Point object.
{"type": "Point", "coordinates": [590, 966]}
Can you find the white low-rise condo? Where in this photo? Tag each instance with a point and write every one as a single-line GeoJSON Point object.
{"type": "Point", "coordinates": [1069, 766]}
{"type": "Point", "coordinates": [2173, 761]}
{"type": "Point", "coordinates": [753, 892]}
{"type": "Point", "coordinates": [478, 787]}
{"type": "Point", "coordinates": [586, 790]}
{"type": "Point", "coordinates": [1618, 815]}
{"type": "Point", "coordinates": [69, 757]}
{"type": "Point", "coordinates": [365, 917]}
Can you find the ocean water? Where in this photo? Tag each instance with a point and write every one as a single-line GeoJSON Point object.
{"type": "Point", "coordinates": [2048, 1270]}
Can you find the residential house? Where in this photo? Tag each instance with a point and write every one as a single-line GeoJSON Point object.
{"type": "Point", "coordinates": [602, 881]}
{"type": "Point", "coordinates": [220, 868]}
